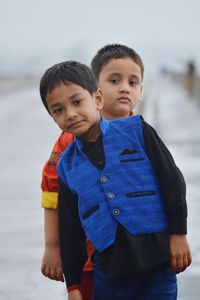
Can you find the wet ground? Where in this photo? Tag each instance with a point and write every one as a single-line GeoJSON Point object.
{"type": "Point", "coordinates": [27, 135]}
{"type": "Point", "coordinates": [176, 117]}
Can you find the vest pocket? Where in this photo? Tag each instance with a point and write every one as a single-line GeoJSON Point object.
{"type": "Point", "coordinates": [140, 194]}
{"type": "Point", "coordinates": [89, 212]}
{"type": "Point", "coordinates": [129, 151]}
{"type": "Point", "coordinates": [131, 159]}
{"type": "Point", "coordinates": [128, 155]}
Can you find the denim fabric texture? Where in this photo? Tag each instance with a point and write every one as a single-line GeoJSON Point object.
{"type": "Point", "coordinates": [157, 283]}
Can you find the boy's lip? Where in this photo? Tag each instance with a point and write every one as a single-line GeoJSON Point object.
{"type": "Point", "coordinates": [123, 99]}
{"type": "Point", "coordinates": [74, 124]}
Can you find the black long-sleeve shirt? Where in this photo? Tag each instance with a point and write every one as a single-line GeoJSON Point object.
{"type": "Point", "coordinates": [129, 253]}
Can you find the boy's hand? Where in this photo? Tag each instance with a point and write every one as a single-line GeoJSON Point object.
{"type": "Point", "coordinates": [51, 263]}
{"type": "Point", "coordinates": [180, 253]}
{"type": "Point", "coordinates": [75, 295]}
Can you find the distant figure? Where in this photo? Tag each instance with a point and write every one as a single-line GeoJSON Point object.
{"type": "Point", "coordinates": [190, 77]}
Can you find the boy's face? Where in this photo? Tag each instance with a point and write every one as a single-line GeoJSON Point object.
{"type": "Point", "coordinates": [75, 110]}
{"type": "Point", "coordinates": [121, 84]}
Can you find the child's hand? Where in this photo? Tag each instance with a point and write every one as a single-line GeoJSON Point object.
{"type": "Point", "coordinates": [51, 263]}
{"type": "Point", "coordinates": [75, 295]}
{"type": "Point", "coordinates": [180, 253]}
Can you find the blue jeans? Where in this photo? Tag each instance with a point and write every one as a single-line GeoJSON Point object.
{"type": "Point", "coordinates": [158, 283]}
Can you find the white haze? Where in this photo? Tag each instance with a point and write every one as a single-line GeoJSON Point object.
{"type": "Point", "coordinates": [36, 34]}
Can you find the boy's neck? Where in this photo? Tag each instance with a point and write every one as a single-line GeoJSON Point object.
{"type": "Point", "coordinates": [93, 134]}
{"type": "Point", "coordinates": [92, 139]}
{"type": "Point", "coordinates": [117, 116]}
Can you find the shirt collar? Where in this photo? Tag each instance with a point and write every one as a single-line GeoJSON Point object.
{"type": "Point", "coordinates": [104, 125]}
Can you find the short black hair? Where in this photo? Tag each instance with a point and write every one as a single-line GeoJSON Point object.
{"type": "Point", "coordinates": [67, 72]}
{"type": "Point", "coordinates": [114, 51]}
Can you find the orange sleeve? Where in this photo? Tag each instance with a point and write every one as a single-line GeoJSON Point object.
{"type": "Point", "coordinates": [49, 184]}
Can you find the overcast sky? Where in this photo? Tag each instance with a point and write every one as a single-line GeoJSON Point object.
{"type": "Point", "coordinates": [36, 34]}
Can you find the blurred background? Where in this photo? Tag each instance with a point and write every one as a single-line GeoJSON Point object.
{"type": "Point", "coordinates": [37, 34]}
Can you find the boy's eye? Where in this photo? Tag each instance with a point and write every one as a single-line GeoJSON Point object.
{"type": "Point", "coordinates": [77, 102]}
{"type": "Point", "coordinates": [114, 80]}
{"type": "Point", "coordinates": [57, 110]}
{"type": "Point", "coordinates": [133, 82]}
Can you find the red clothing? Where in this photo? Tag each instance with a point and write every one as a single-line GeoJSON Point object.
{"type": "Point", "coordinates": [49, 184]}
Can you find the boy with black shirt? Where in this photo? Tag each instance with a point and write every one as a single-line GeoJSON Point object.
{"type": "Point", "coordinates": [73, 101]}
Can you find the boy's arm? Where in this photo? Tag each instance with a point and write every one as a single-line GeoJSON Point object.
{"type": "Point", "coordinates": [72, 237]}
{"type": "Point", "coordinates": [75, 295]}
{"type": "Point", "coordinates": [181, 256]}
{"type": "Point", "coordinates": [51, 263]}
{"type": "Point", "coordinates": [173, 189]}
{"type": "Point", "coordinates": [171, 180]}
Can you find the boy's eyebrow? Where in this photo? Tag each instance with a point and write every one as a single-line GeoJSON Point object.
{"type": "Point", "coordinates": [74, 95]}
{"type": "Point", "coordinates": [114, 73]}
{"type": "Point", "coordinates": [71, 97]}
{"type": "Point", "coordinates": [51, 106]}
{"type": "Point", "coordinates": [119, 74]}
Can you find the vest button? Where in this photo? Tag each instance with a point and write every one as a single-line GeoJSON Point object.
{"type": "Point", "coordinates": [104, 179]}
{"type": "Point", "coordinates": [111, 195]}
{"type": "Point", "coordinates": [116, 212]}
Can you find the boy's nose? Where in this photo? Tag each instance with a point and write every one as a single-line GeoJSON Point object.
{"type": "Point", "coordinates": [124, 88]}
{"type": "Point", "coordinates": [71, 114]}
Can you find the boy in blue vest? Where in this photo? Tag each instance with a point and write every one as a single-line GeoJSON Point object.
{"type": "Point", "coordinates": [120, 184]}
{"type": "Point", "coordinates": [104, 64]}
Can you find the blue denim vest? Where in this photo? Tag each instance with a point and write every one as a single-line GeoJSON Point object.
{"type": "Point", "coordinates": [126, 191]}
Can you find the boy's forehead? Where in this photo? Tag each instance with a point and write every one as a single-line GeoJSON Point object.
{"type": "Point", "coordinates": [64, 91]}
{"type": "Point", "coordinates": [65, 87]}
{"type": "Point", "coordinates": [121, 65]}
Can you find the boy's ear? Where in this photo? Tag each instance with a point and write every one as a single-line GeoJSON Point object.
{"type": "Point", "coordinates": [99, 99]}
{"type": "Point", "coordinates": [142, 86]}
{"type": "Point", "coordinates": [141, 89]}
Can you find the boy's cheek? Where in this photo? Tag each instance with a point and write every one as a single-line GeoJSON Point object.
{"type": "Point", "coordinates": [60, 124]}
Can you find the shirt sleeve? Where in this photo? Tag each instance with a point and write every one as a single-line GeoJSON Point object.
{"type": "Point", "coordinates": [72, 236]}
{"type": "Point", "coordinates": [49, 184]}
{"type": "Point", "coordinates": [171, 180]}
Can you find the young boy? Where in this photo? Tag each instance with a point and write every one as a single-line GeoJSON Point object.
{"type": "Point", "coordinates": [108, 61]}
{"type": "Point", "coordinates": [128, 226]}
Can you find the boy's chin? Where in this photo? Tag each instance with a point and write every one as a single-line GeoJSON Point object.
{"type": "Point", "coordinates": [124, 111]}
